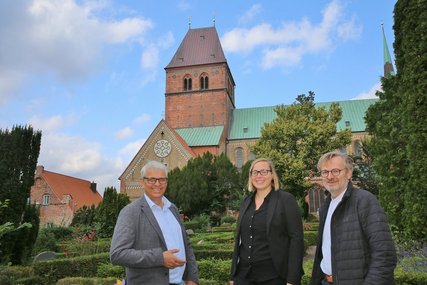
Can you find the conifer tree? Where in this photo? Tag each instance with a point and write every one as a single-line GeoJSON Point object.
{"type": "Point", "coordinates": [398, 126]}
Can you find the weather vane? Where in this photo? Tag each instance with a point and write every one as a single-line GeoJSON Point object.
{"type": "Point", "coordinates": [189, 22]}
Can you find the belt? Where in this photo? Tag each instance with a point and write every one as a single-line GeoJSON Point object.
{"type": "Point", "coordinates": [329, 278]}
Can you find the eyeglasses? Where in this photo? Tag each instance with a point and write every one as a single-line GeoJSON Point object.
{"type": "Point", "coordinates": [263, 172]}
{"type": "Point", "coordinates": [334, 172]}
{"type": "Point", "coordinates": [153, 180]}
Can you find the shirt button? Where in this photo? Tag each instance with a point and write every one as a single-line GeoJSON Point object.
{"type": "Point", "coordinates": [250, 246]}
{"type": "Point", "coordinates": [250, 236]}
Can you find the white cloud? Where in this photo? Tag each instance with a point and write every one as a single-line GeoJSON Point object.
{"type": "Point", "coordinates": [144, 118]}
{"type": "Point", "coordinates": [77, 157]}
{"type": "Point", "coordinates": [251, 13]}
{"type": "Point", "coordinates": [150, 58]}
{"type": "Point", "coordinates": [51, 124]}
{"type": "Point", "coordinates": [288, 43]}
{"type": "Point", "coordinates": [65, 38]}
{"type": "Point", "coordinates": [131, 149]}
{"type": "Point", "coordinates": [124, 133]}
{"type": "Point", "coordinates": [184, 5]}
{"type": "Point", "coordinates": [370, 94]}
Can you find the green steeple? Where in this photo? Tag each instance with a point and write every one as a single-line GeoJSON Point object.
{"type": "Point", "coordinates": [388, 65]}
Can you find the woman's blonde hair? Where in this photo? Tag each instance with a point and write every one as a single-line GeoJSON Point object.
{"type": "Point", "coordinates": [275, 179]}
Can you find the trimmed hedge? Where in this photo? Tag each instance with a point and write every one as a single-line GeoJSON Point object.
{"type": "Point", "coordinates": [215, 269]}
{"type": "Point", "coordinates": [218, 254]}
{"type": "Point", "coordinates": [86, 281]}
{"type": "Point", "coordinates": [82, 266]}
{"type": "Point", "coordinates": [410, 278]}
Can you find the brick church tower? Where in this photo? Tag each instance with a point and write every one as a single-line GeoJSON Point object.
{"type": "Point", "coordinates": [199, 83]}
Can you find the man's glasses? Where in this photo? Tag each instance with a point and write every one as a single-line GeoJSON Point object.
{"type": "Point", "coordinates": [153, 180]}
{"type": "Point", "coordinates": [263, 172]}
{"type": "Point", "coordinates": [334, 172]}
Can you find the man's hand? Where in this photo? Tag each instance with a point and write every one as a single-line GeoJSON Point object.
{"type": "Point", "coordinates": [170, 260]}
{"type": "Point", "coordinates": [190, 283]}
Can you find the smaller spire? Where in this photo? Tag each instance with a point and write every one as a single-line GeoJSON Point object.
{"type": "Point", "coordinates": [214, 20]}
{"type": "Point", "coordinates": [388, 65]}
{"type": "Point", "coordinates": [189, 22]}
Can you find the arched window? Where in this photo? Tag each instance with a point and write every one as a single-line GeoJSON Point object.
{"type": "Point", "coordinates": [204, 81]}
{"type": "Point", "coordinates": [239, 157]}
{"type": "Point", "coordinates": [187, 83]}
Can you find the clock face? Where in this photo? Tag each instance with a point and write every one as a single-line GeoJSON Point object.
{"type": "Point", "coordinates": [162, 148]}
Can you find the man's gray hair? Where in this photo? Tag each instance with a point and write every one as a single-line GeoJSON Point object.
{"type": "Point", "coordinates": [152, 164]}
{"type": "Point", "coordinates": [348, 161]}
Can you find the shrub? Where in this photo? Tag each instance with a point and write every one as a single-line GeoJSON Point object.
{"type": "Point", "coordinates": [310, 237]}
{"type": "Point", "coordinates": [45, 241]}
{"type": "Point", "coordinates": [82, 266]}
{"type": "Point", "coordinates": [86, 281]}
{"type": "Point", "coordinates": [9, 275]}
{"type": "Point", "coordinates": [215, 269]}
{"type": "Point", "coordinates": [109, 270]}
{"type": "Point", "coordinates": [228, 219]}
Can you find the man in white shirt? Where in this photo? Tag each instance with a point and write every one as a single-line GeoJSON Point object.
{"type": "Point", "coordinates": [149, 238]}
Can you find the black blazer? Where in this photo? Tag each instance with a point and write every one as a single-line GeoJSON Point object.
{"type": "Point", "coordinates": [284, 233]}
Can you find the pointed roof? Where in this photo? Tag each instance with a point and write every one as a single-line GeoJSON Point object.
{"type": "Point", "coordinates": [388, 65]}
{"type": "Point", "coordinates": [200, 46]}
{"type": "Point", "coordinates": [80, 190]}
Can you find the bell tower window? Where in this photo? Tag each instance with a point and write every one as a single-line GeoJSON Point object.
{"type": "Point", "coordinates": [204, 82]}
{"type": "Point", "coordinates": [187, 83]}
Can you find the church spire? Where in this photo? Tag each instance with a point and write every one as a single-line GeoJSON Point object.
{"type": "Point", "coordinates": [388, 65]}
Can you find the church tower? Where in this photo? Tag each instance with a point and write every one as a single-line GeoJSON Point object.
{"type": "Point", "coordinates": [199, 83]}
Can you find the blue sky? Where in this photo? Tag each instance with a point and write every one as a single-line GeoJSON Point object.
{"type": "Point", "coordinates": [90, 74]}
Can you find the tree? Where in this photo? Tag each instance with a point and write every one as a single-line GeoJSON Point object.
{"type": "Point", "coordinates": [296, 139]}
{"type": "Point", "coordinates": [85, 216]}
{"type": "Point", "coordinates": [207, 184]}
{"type": "Point", "coordinates": [19, 151]}
{"type": "Point", "coordinates": [364, 173]}
{"type": "Point", "coordinates": [108, 211]}
{"type": "Point", "coordinates": [397, 123]}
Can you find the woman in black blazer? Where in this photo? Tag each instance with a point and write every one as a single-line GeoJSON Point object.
{"type": "Point", "coordinates": [269, 245]}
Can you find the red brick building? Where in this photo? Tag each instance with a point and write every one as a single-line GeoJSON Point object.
{"type": "Point", "coordinates": [60, 196]}
{"type": "Point", "coordinates": [201, 116]}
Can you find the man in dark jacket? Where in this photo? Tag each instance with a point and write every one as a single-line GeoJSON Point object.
{"type": "Point", "coordinates": [354, 242]}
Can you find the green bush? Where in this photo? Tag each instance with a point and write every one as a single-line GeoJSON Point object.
{"type": "Point", "coordinates": [215, 269]}
{"type": "Point", "coordinates": [45, 241]}
{"type": "Point", "coordinates": [82, 266]}
{"type": "Point", "coordinates": [310, 237]}
{"type": "Point", "coordinates": [200, 223]}
{"type": "Point", "coordinates": [410, 278]}
{"type": "Point", "coordinates": [74, 248]}
{"type": "Point", "coordinates": [216, 254]}
{"type": "Point", "coordinates": [228, 219]}
{"type": "Point", "coordinates": [9, 275]}
{"type": "Point", "coordinates": [109, 270]}
{"type": "Point", "coordinates": [211, 282]}
{"type": "Point", "coordinates": [86, 281]}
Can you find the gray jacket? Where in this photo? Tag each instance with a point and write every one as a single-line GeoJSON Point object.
{"type": "Point", "coordinates": [138, 244]}
{"type": "Point", "coordinates": [362, 248]}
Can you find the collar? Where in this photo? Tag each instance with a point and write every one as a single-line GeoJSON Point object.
{"type": "Point", "coordinates": [166, 202]}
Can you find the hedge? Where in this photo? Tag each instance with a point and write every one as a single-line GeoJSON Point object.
{"type": "Point", "coordinates": [82, 266]}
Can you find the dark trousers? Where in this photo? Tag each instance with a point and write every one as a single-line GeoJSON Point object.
{"type": "Point", "coordinates": [240, 281]}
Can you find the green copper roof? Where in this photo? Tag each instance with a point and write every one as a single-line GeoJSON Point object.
{"type": "Point", "coordinates": [203, 136]}
{"type": "Point", "coordinates": [247, 123]}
